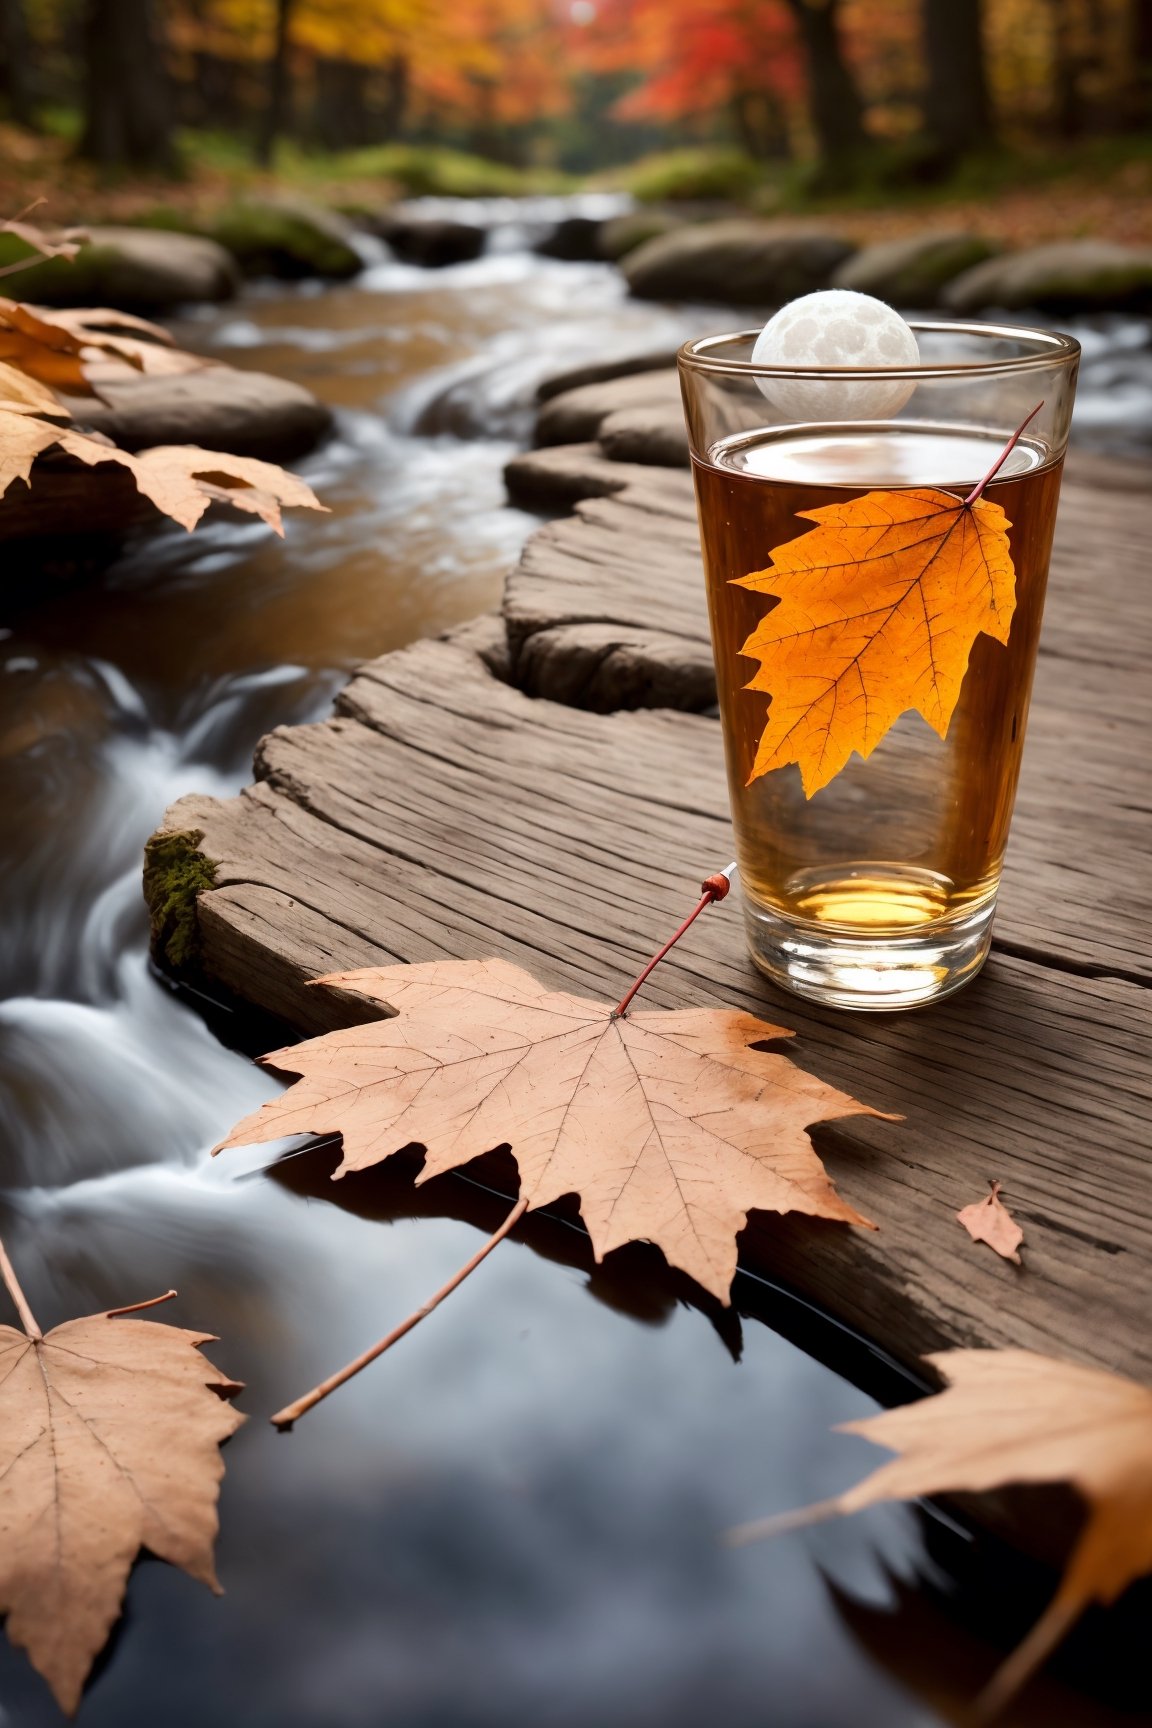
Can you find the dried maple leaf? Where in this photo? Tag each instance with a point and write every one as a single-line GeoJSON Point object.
{"type": "Point", "coordinates": [989, 1220]}
{"type": "Point", "coordinates": [879, 606]}
{"type": "Point", "coordinates": [110, 1435]}
{"type": "Point", "coordinates": [179, 479]}
{"type": "Point", "coordinates": [1007, 1417]}
{"type": "Point", "coordinates": [669, 1126]}
{"type": "Point", "coordinates": [65, 349]}
{"type": "Point", "coordinates": [25, 395]}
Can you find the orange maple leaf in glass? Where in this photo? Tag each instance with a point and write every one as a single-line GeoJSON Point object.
{"type": "Point", "coordinates": [878, 608]}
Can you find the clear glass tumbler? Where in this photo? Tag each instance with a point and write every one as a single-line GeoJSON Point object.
{"type": "Point", "coordinates": [875, 887]}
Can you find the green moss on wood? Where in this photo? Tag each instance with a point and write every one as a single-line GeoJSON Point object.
{"type": "Point", "coordinates": [175, 873]}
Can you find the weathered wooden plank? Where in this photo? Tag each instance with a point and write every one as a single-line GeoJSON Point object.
{"type": "Point", "coordinates": [561, 475]}
{"type": "Point", "coordinates": [600, 371]}
{"type": "Point", "coordinates": [577, 415]}
{"type": "Point", "coordinates": [444, 813]}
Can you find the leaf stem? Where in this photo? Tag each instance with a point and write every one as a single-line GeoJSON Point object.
{"type": "Point", "coordinates": [135, 1307]}
{"type": "Point", "coordinates": [12, 1284]}
{"type": "Point", "coordinates": [284, 1419]}
{"type": "Point", "coordinates": [978, 490]}
{"type": "Point", "coordinates": [714, 888]}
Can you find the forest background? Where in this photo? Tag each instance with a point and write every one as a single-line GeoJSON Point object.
{"type": "Point", "coordinates": [782, 105]}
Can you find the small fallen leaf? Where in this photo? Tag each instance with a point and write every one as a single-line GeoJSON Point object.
{"type": "Point", "coordinates": [1010, 1416]}
{"type": "Point", "coordinates": [179, 479]}
{"type": "Point", "coordinates": [61, 245]}
{"type": "Point", "coordinates": [879, 606]}
{"type": "Point", "coordinates": [110, 1435]}
{"type": "Point", "coordinates": [989, 1220]}
{"type": "Point", "coordinates": [669, 1126]}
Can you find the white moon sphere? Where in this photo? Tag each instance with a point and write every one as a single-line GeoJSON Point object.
{"type": "Point", "coordinates": [836, 327]}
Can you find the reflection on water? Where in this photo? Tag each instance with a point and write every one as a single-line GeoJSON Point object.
{"type": "Point", "coordinates": [515, 1519]}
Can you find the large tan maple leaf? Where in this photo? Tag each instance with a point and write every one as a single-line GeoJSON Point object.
{"type": "Point", "coordinates": [879, 606]}
{"type": "Point", "coordinates": [110, 1434]}
{"type": "Point", "coordinates": [669, 1126]}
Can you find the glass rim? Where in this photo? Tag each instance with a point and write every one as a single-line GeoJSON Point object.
{"type": "Point", "coordinates": [1055, 348]}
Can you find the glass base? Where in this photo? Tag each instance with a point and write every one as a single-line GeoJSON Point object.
{"type": "Point", "coordinates": [878, 972]}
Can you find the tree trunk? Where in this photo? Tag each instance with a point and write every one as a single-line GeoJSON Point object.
{"type": "Point", "coordinates": [341, 116]}
{"type": "Point", "coordinates": [958, 112]}
{"type": "Point", "coordinates": [396, 89]}
{"type": "Point", "coordinates": [834, 104]}
{"type": "Point", "coordinates": [127, 104]}
{"type": "Point", "coordinates": [758, 122]}
{"type": "Point", "coordinates": [275, 116]}
{"type": "Point", "coordinates": [16, 63]}
{"type": "Point", "coordinates": [1140, 51]}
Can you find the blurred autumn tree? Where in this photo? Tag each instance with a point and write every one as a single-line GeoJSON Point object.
{"type": "Point", "coordinates": [343, 73]}
{"type": "Point", "coordinates": [838, 82]}
{"type": "Point", "coordinates": [736, 59]}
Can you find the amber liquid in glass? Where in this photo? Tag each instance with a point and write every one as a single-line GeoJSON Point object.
{"type": "Point", "coordinates": [915, 835]}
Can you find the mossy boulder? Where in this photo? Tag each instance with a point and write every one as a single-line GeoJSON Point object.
{"type": "Point", "coordinates": [287, 238]}
{"type": "Point", "coordinates": [695, 173]}
{"type": "Point", "coordinates": [1068, 275]}
{"type": "Point", "coordinates": [622, 234]}
{"type": "Point", "coordinates": [741, 262]}
{"type": "Point", "coordinates": [913, 272]}
{"type": "Point", "coordinates": [575, 239]}
{"type": "Point", "coordinates": [133, 269]}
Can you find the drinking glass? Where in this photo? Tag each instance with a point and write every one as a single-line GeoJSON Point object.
{"type": "Point", "coordinates": [878, 891]}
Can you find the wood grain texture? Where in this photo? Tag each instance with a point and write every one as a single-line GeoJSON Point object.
{"type": "Point", "coordinates": [546, 786]}
{"type": "Point", "coordinates": [561, 475]}
{"type": "Point", "coordinates": [443, 813]}
{"type": "Point", "coordinates": [577, 415]}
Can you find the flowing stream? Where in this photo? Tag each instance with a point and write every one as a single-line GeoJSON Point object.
{"type": "Point", "coordinates": [514, 1520]}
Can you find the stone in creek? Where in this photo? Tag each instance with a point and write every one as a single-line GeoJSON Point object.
{"type": "Point", "coordinates": [433, 241]}
{"type": "Point", "coordinates": [288, 238]}
{"type": "Point", "coordinates": [218, 408]}
{"type": "Point", "coordinates": [133, 269]}
{"type": "Point", "coordinates": [623, 234]}
{"type": "Point", "coordinates": [1067, 275]}
{"type": "Point", "coordinates": [913, 271]}
{"type": "Point", "coordinates": [576, 239]}
{"type": "Point", "coordinates": [741, 262]}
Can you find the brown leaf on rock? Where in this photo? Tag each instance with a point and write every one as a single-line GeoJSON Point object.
{"type": "Point", "coordinates": [67, 349]}
{"type": "Point", "coordinates": [26, 395]}
{"type": "Point", "coordinates": [1010, 1416]}
{"type": "Point", "coordinates": [179, 479]}
{"type": "Point", "coordinates": [989, 1220]}
{"type": "Point", "coordinates": [110, 1435]}
{"type": "Point", "coordinates": [670, 1127]}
